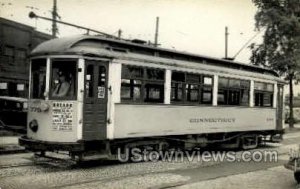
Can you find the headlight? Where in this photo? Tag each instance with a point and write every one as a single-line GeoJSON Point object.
{"type": "Point", "coordinates": [33, 125]}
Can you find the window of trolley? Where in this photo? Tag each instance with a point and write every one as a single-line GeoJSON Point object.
{"type": "Point", "coordinates": [233, 92]}
{"type": "Point", "coordinates": [141, 84]}
{"type": "Point", "coordinates": [191, 88]}
{"type": "Point", "coordinates": [63, 79]}
{"type": "Point", "coordinates": [263, 94]}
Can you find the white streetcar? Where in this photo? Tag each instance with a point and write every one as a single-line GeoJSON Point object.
{"type": "Point", "coordinates": [90, 95]}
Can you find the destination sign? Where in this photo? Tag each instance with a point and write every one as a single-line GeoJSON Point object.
{"type": "Point", "coordinates": [62, 116]}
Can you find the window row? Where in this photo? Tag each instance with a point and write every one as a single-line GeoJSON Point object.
{"type": "Point", "coordinates": [13, 89]}
{"type": "Point", "coordinates": [15, 53]}
{"type": "Point", "coordinates": [141, 84]}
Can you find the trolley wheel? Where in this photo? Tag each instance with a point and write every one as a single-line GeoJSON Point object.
{"type": "Point", "coordinates": [297, 176]}
{"type": "Point", "coordinates": [247, 143]}
{"type": "Point", "coordinates": [78, 159]}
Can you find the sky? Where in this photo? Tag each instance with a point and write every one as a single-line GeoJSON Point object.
{"type": "Point", "coordinates": [195, 26]}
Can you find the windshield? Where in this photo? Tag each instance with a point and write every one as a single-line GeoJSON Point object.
{"type": "Point", "coordinates": [63, 79]}
{"type": "Point", "coordinates": [38, 78]}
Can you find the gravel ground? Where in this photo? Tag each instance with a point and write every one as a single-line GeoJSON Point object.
{"type": "Point", "coordinates": [44, 176]}
{"type": "Point", "coordinates": [15, 159]}
{"type": "Point", "coordinates": [143, 181]}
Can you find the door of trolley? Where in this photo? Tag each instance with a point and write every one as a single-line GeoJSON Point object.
{"type": "Point", "coordinates": [95, 100]}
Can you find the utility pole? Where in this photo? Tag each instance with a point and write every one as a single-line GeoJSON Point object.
{"type": "Point", "coordinates": [156, 32]}
{"type": "Point", "coordinates": [54, 16]}
{"type": "Point", "coordinates": [119, 33]}
{"type": "Point", "coordinates": [226, 42]}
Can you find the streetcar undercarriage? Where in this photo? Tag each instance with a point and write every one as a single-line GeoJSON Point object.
{"type": "Point", "coordinates": [109, 149]}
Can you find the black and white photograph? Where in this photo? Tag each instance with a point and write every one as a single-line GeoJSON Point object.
{"type": "Point", "coordinates": [154, 94]}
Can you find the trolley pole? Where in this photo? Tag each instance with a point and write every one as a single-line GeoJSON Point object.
{"type": "Point", "coordinates": [156, 32]}
{"type": "Point", "coordinates": [33, 15]}
{"type": "Point", "coordinates": [54, 15]}
{"type": "Point", "coordinates": [226, 42]}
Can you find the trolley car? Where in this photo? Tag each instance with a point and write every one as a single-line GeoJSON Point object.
{"type": "Point", "coordinates": [92, 95]}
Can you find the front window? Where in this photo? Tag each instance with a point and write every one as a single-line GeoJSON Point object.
{"type": "Point", "coordinates": [63, 79]}
{"type": "Point", "coordinates": [38, 78]}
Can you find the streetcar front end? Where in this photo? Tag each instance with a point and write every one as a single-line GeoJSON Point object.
{"type": "Point", "coordinates": [55, 105]}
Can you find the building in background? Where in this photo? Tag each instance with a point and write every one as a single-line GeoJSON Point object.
{"type": "Point", "coordinates": [16, 42]}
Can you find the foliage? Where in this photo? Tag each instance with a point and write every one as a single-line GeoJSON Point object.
{"type": "Point", "coordinates": [280, 49]}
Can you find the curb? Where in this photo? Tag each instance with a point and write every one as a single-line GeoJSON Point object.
{"type": "Point", "coordinates": [13, 149]}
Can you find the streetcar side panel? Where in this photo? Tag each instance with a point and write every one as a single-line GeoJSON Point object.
{"type": "Point", "coordinates": [160, 120]}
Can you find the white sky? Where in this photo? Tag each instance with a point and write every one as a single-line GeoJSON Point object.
{"type": "Point", "coordinates": [195, 26]}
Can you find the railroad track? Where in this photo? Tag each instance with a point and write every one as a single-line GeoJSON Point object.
{"type": "Point", "coordinates": [17, 165]}
{"type": "Point", "coordinates": [34, 162]}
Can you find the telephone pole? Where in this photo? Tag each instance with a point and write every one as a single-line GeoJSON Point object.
{"type": "Point", "coordinates": [119, 33]}
{"type": "Point", "coordinates": [226, 42]}
{"type": "Point", "coordinates": [54, 16]}
{"type": "Point", "coordinates": [156, 32]}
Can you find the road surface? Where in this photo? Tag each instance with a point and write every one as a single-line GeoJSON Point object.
{"type": "Point", "coordinates": [24, 171]}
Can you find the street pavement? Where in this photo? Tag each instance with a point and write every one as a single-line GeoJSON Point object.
{"type": "Point", "coordinates": [9, 144]}
{"type": "Point", "coordinates": [272, 178]}
{"type": "Point", "coordinates": [24, 171]}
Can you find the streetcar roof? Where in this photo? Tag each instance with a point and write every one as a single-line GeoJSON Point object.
{"type": "Point", "coordinates": [90, 44]}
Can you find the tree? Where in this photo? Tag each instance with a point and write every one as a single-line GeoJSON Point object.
{"type": "Point", "coordinates": [280, 49]}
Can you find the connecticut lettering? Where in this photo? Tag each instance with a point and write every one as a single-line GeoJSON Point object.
{"type": "Point", "coordinates": [212, 120]}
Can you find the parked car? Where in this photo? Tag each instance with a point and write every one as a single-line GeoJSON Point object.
{"type": "Point", "coordinates": [13, 113]}
{"type": "Point", "coordinates": [293, 163]}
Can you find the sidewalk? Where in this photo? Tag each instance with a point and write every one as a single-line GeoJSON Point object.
{"type": "Point", "coordinates": [271, 178]}
{"type": "Point", "coordinates": [9, 143]}
{"type": "Point", "coordinates": [292, 130]}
